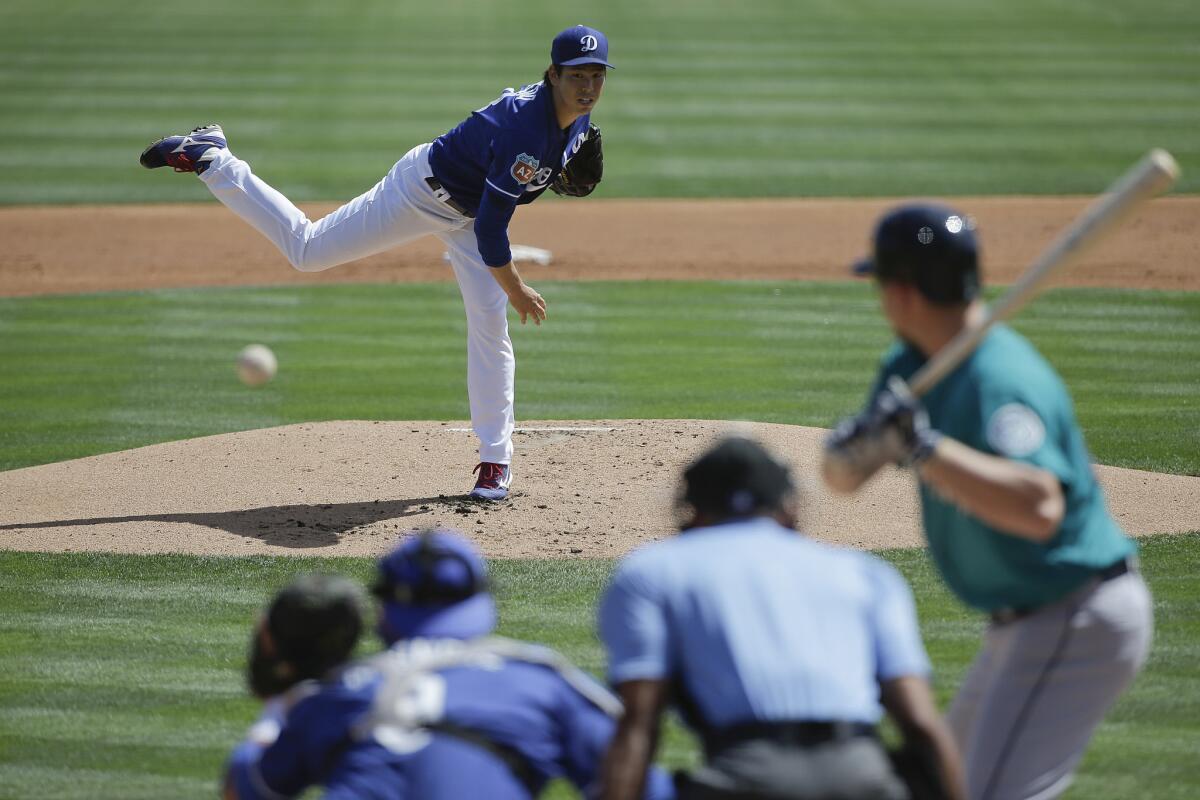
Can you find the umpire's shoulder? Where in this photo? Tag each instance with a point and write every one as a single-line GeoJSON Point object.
{"type": "Point", "coordinates": [881, 575]}
{"type": "Point", "coordinates": [643, 573]}
{"type": "Point", "coordinates": [649, 558]}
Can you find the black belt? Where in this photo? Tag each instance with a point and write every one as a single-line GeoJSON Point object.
{"type": "Point", "coordinates": [802, 734]}
{"type": "Point", "coordinates": [1003, 616]}
{"type": "Point", "coordinates": [443, 195]}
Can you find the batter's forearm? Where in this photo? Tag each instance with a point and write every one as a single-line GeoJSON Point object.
{"type": "Point", "coordinates": [1013, 497]}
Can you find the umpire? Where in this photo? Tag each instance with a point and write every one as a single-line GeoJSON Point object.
{"type": "Point", "coordinates": [777, 651]}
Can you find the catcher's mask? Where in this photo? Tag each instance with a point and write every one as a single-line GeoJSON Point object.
{"type": "Point", "coordinates": [736, 478]}
{"type": "Point", "coordinates": [311, 626]}
{"type": "Point", "coordinates": [435, 584]}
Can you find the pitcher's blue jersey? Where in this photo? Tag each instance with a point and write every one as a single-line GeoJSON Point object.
{"type": "Point", "coordinates": [440, 720]}
{"type": "Point", "coordinates": [504, 155]}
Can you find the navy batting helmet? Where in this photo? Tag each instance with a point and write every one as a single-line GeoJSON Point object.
{"type": "Point", "coordinates": [930, 246]}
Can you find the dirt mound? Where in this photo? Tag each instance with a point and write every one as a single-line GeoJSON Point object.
{"type": "Point", "coordinates": [583, 489]}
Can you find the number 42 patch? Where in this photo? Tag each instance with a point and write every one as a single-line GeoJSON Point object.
{"type": "Point", "coordinates": [524, 168]}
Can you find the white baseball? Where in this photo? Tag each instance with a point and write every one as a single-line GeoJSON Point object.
{"type": "Point", "coordinates": [256, 364]}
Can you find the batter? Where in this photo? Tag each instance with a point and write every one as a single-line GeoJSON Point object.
{"type": "Point", "coordinates": [1015, 519]}
{"type": "Point", "coordinates": [463, 188]}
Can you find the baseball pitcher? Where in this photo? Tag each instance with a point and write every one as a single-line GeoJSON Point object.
{"type": "Point", "coordinates": [462, 188]}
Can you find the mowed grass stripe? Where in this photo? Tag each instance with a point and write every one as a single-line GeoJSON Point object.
{"type": "Point", "coordinates": [55, 782]}
{"type": "Point", "coordinates": [163, 720]}
{"type": "Point", "coordinates": [777, 100]}
{"type": "Point", "coordinates": [91, 374]}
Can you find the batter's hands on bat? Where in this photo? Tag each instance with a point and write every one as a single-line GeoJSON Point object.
{"type": "Point", "coordinates": [528, 303]}
{"type": "Point", "coordinates": [893, 430]}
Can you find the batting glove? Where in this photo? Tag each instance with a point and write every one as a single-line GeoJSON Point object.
{"type": "Point", "coordinates": [905, 424]}
{"type": "Point", "coordinates": [894, 429]}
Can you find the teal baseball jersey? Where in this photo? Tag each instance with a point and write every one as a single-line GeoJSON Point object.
{"type": "Point", "coordinates": [1005, 399]}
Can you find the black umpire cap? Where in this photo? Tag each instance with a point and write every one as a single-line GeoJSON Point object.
{"type": "Point", "coordinates": [929, 246]}
{"type": "Point", "coordinates": [737, 477]}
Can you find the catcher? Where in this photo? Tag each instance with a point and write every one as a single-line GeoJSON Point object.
{"type": "Point", "coordinates": [463, 188]}
{"type": "Point", "coordinates": [448, 711]}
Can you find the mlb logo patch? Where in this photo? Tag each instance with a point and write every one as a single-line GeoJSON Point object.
{"type": "Point", "coordinates": [524, 168]}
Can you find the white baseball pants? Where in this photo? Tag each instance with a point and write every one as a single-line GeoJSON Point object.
{"type": "Point", "coordinates": [1041, 685]}
{"type": "Point", "coordinates": [399, 209]}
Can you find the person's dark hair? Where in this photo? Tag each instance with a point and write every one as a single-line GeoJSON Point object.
{"type": "Point", "coordinates": [311, 626]}
{"type": "Point", "coordinates": [736, 478]}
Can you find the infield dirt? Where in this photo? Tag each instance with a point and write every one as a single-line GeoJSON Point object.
{"type": "Point", "coordinates": [583, 489]}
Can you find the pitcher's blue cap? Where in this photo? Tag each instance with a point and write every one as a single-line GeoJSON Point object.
{"type": "Point", "coordinates": [580, 45]}
{"type": "Point", "coordinates": [435, 584]}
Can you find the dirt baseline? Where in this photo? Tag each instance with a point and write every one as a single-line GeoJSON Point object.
{"type": "Point", "coordinates": [99, 248]}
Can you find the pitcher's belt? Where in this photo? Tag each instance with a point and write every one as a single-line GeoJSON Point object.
{"type": "Point", "coordinates": [441, 194]}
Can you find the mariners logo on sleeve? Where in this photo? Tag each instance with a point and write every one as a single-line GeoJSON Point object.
{"type": "Point", "coordinates": [1015, 431]}
{"type": "Point", "coordinates": [524, 168]}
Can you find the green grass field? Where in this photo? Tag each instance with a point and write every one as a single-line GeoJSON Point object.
{"type": "Point", "coordinates": [91, 374]}
{"type": "Point", "coordinates": [84, 714]}
{"type": "Point", "coordinates": [120, 676]}
{"type": "Point", "coordinates": [767, 98]}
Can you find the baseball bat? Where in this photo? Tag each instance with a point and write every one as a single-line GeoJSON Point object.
{"type": "Point", "coordinates": [1153, 174]}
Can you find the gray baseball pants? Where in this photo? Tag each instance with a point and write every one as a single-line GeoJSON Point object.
{"type": "Point", "coordinates": [852, 769]}
{"type": "Point", "coordinates": [1041, 684]}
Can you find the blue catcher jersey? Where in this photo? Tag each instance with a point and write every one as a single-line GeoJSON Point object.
{"type": "Point", "coordinates": [440, 720]}
{"type": "Point", "coordinates": [503, 155]}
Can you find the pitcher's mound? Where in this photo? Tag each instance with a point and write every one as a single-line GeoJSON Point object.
{"type": "Point", "coordinates": [582, 489]}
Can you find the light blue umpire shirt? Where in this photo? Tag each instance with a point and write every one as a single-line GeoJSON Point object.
{"type": "Point", "coordinates": [755, 622]}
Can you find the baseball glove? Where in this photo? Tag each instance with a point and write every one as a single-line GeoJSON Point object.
{"type": "Point", "coordinates": [581, 174]}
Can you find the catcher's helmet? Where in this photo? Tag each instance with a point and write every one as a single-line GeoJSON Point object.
{"type": "Point", "coordinates": [435, 585]}
{"type": "Point", "coordinates": [929, 246]}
